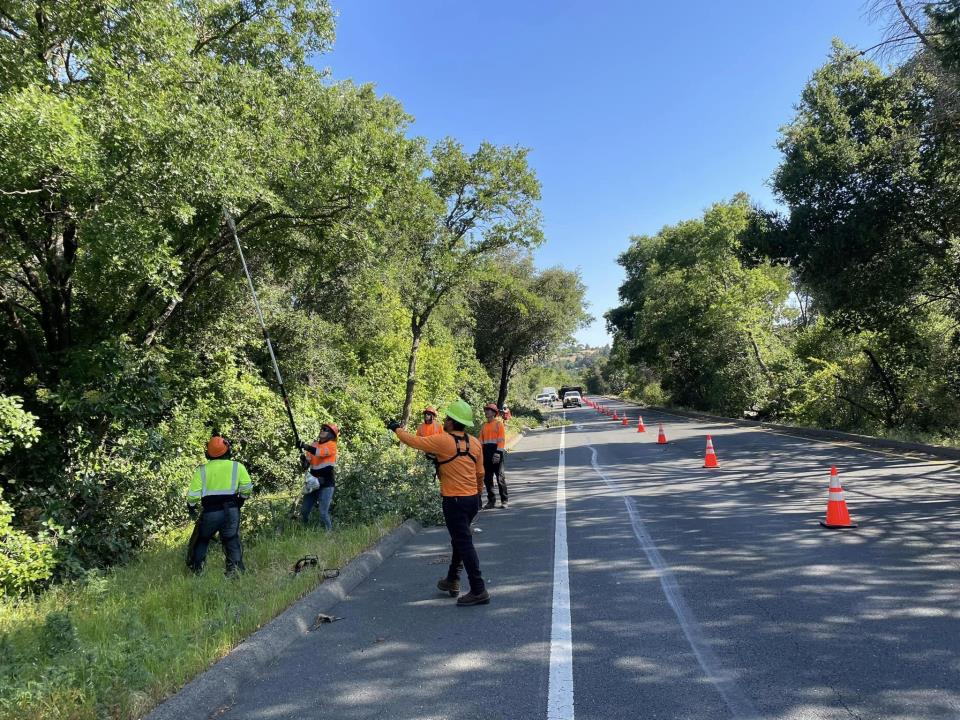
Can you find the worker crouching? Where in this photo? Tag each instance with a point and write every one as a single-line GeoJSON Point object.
{"type": "Point", "coordinates": [460, 467]}
{"type": "Point", "coordinates": [217, 491]}
{"type": "Point", "coordinates": [320, 480]}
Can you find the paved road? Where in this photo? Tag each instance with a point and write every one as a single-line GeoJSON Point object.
{"type": "Point", "coordinates": [692, 593]}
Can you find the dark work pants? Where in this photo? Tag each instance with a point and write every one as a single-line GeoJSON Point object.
{"type": "Point", "coordinates": [490, 471]}
{"type": "Point", "coordinates": [458, 513]}
{"type": "Point", "coordinates": [226, 521]}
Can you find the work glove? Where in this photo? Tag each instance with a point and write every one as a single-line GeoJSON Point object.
{"type": "Point", "coordinates": [393, 425]}
{"type": "Point", "coordinates": [192, 511]}
{"type": "Point", "coordinates": [497, 458]}
{"type": "Point", "coordinates": [240, 501]}
{"type": "Point", "coordinates": [302, 445]}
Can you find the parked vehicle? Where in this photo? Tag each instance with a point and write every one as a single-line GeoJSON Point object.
{"type": "Point", "coordinates": [545, 399]}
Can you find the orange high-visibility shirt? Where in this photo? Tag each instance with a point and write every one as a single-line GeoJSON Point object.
{"type": "Point", "coordinates": [322, 454]}
{"type": "Point", "coordinates": [426, 430]}
{"type": "Point", "coordinates": [461, 476]}
{"type": "Point", "coordinates": [494, 433]}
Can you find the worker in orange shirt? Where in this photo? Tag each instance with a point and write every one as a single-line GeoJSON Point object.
{"type": "Point", "coordinates": [429, 426]}
{"type": "Point", "coordinates": [320, 480]}
{"type": "Point", "coordinates": [493, 435]}
{"type": "Point", "coordinates": [460, 466]}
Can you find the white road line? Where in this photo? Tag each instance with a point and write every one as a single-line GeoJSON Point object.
{"type": "Point", "coordinates": [732, 695]}
{"type": "Point", "coordinates": [560, 688]}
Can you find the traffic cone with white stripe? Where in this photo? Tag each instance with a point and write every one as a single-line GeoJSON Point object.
{"type": "Point", "coordinates": [710, 461]}
{"type": "Point", "coordinates": [624, 420]}
{"type": "Point", "coordinates": [615, 415]}
{"type": "Point", "coordinates": [661, 438]}
{"type": "Point", "coordinates": [837, 515]}
{"type": "Point", "coordinates": [640, 427]}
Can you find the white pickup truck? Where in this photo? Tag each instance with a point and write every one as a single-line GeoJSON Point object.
{"type": "Point", "coordinates": [571, 398]}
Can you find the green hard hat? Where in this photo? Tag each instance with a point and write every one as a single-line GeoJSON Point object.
{"type": "Point", "coordinates": [460, 411]}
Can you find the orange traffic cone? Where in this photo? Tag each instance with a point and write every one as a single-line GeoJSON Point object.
{"type": "Point", "coordinates": [615, 415]}
{"type": "Point", "coordinates": [710, 461]}
{"type": "Point", "coordinates": [640, 427]}
{"type": "Point", "coordinates": [661, 438]}
{"type": "Point", "coordinates": [837, 515]}
{"type": "Point", "coordinates": [624, 420]}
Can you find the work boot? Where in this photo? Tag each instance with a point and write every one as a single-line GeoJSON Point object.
{"type": "Point", "coordinates": [481, 598]}
{"type": "Point", "coordinates": [449, 586]}
{"type": "Point", "coordinates": [490, 505]}
{"type": "Point", "coordinates": [503, 504]}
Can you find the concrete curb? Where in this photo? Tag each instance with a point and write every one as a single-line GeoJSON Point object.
{"type": "Point", "coordinates": [813, 433]}
{"type": "Point", "coordinates": [214, 689]}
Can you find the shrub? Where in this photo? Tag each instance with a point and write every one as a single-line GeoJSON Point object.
{"type": "Point", "coordinates": [25, 563]}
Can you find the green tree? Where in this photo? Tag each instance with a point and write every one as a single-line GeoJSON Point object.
{"type": "Point", "coordinates": [698, 316]}
{"type": "Point", "coordinates": [468, 207]}
{"type": "Point", "coordinates": [523, 315]}
{"type": "Point", "coordinates": [872, 201]}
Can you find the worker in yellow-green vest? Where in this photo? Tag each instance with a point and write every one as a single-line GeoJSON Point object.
{"type": "Point", "coordinates": [217, 491]}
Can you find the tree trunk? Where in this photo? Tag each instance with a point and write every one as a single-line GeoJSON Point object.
{"type": "Point", "coordinates": [894, 403]}
{"type": "Point", "coordinates": [416, 328]}
{"type": "Point", "coordinates": [760, 362]}
{"type": "Point", "coordinates": [505, 368]}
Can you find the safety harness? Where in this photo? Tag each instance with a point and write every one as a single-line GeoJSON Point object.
{"type": "Point", "coordinates": [465, 452]}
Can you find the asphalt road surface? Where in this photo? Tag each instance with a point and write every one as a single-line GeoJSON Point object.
{"type": "Point", "coordinates": [628, 582]}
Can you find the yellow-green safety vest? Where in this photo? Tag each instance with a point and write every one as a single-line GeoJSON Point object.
{"type": "Point", "coordinates": [219, 477]}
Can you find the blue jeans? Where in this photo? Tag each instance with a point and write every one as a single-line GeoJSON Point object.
{"type": "Point", "coordinates": [322, 497]}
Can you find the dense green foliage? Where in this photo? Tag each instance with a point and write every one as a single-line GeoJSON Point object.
{"type": "Point", "coordinates": [844, 310]}
{"type": "Point", "coordinates": [128, 330]}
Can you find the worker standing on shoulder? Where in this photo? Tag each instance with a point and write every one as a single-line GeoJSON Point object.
{"type": "Point", "coordinates": [218, 490]}
{"type": "Point", "coordinates": [320, 481]}
{"type": "Point", "coordinates": [460, 467]}
{"type": "Point", "coordinates": [493, 435]}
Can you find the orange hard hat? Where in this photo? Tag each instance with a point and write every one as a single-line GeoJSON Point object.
{"type": "Point", "coordinates": [332, 427]}
{"type": "Point", "coordinates": [491, 406]}
{"type": "Point", "coordinates": [430, 409]}
{"type": "Point", "coordinates": [217, 447]}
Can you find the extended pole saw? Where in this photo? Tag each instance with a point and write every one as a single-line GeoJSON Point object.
{"type": "Point", "coordinates": [266, 335]}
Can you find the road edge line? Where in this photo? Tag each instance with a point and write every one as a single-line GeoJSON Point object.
{"type": "Point", "coordinates": [735, 699]}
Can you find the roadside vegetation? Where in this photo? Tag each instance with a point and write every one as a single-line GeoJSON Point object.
{"type": "Point", "coordinates": [120, 641]}
{"type": "Point", "coordinates": [842, 310]}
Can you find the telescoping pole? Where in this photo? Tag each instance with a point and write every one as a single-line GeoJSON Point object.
{"type": "Point", "coordinates": [266, 335]}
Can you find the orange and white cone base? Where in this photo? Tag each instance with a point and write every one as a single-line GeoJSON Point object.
{"type": "Point", "coordinates": [615, 415]}
{"type": "Point", "coordinates": [710, 461]}
{"type": "Point", "coordinates": [661, 437]}
{"type": "Point", "coordinates": [837, 514]}
{"type": "Point", "coordinates": [624, 421]}
{"type": "Point", "coordinates": [640, 427]}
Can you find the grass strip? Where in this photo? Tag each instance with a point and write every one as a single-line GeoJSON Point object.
{"type": "Point", "coordinates": [117, 644]}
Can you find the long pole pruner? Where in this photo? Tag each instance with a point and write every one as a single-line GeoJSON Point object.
{"type": "Point", "coordinates": [266, 335]}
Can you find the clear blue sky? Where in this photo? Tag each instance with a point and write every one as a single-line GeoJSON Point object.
{"type": "Point", "coordinates": [638, 114]}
